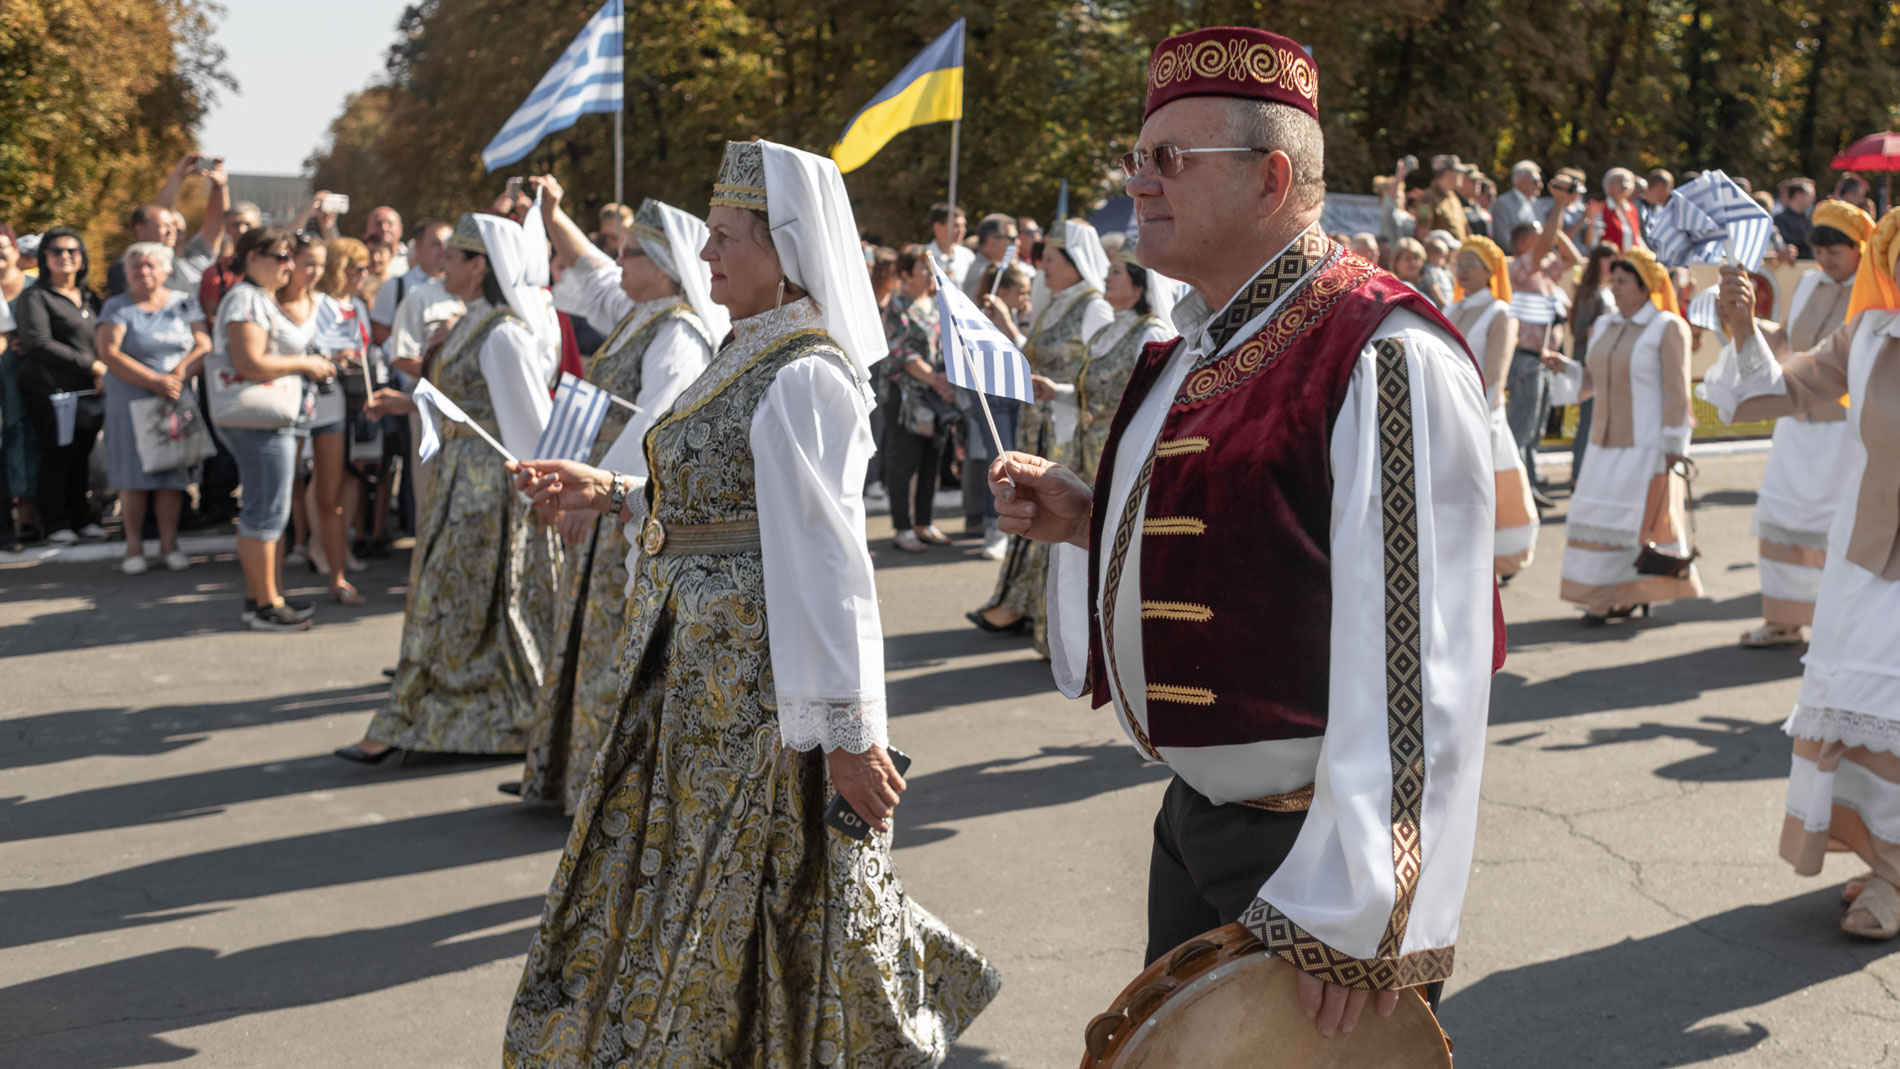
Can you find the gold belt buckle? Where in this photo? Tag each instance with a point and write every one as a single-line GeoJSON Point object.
{"type": "Point", "coordinates": [652, 536]}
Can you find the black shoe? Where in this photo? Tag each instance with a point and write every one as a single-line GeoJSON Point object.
{"type": "Point", "coordinates": [355, 752]}
{"type": "Point", "coordinates": [511, 788]}
{"type": "Point", "coordinates": [389, 673]}
{"type": "Point", "coordinates": [272, 618]}
{"type": "Point", "coordinates": [1020, 627]}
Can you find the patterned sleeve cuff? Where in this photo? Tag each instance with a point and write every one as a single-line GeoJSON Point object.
{"type": "Point", "coordinates": [1307, 953]}
{"type": "Point", "coordinates": [851, 724]}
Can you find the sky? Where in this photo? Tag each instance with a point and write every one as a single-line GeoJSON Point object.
{"type": "Point", "coordinates": [294, 64]}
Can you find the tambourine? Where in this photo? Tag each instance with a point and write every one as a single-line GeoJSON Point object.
{"type": "Point", "coordinates": [1220, 1001]}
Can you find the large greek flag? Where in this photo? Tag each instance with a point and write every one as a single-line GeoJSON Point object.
{"type": "Point", "coordinates": [976, 355]}
{"type": "Point", "coordinates": [586, 79]}
{"type": "Point", "coordinates": [1678, 229]}
{"type": "Point", "coordinates": [580, 407]}
{"type": "Point", "coordinates": [1746, 225]}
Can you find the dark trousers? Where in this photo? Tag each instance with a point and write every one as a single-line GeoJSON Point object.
{"type": "Point", "coordinates": [1209, 864]}
{"type": "Point", "coordinates": [910, 474]}
{"type": "Point", "coordinates": [1584, 411]}
{"type": "Point", "coordinates": [65, 470]}
{"type": "Point", "coordinates": [1526, 406]}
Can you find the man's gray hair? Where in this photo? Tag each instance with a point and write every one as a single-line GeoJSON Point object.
{"type": "Point", "coordinates": [1260, 124]}
{"type": "Point", "coordinates": [247, 208]}
{"type": "Point", "coordinates": [1526, 167]}
{"type": "Point", "coordinates": [159, 254]}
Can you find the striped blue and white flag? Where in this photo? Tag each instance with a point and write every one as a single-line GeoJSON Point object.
{"type": "Point", "coordinates": [1746, 225]}
{"type": "Point", "coordinates": [976, 355]}
{"type": "Point", "coordinates": [1533, 308]}
{"type": "Point", "coordinates": [338, 329]}
{"type": "Point", "coordinates": [1678, 229]}
{"type": "Point", "coordinates": [580, 407]}
{"type": "Point", "coordinates": [586, 79]}
{"type": "Point", "coordinates": [1701, 310]}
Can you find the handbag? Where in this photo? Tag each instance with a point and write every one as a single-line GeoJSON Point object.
{"type": "Point", "coordinates": [238, 402]}
{"type": "Point", "coordinates": [1653, 561]}
{"type": "Point", "coordinates": [170, 435]}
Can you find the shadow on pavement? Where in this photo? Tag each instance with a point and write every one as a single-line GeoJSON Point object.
{"type": "Point", "coordinates": [1057, 775]}
{"type": "Point", "coordinates": [1663, 681]}
{"type": "Point", "coordinates": [968, 685]}
{"type": "Point", "coordinates": [923, 649]}
{"type": "Point", "coordinates": [1572, 629]}
{"type": "Point", "coordinates": [197, 794]}
{"type": "Point", "coordinates": [188, 886]}
{"type": "Point", "coordinates": [962, 1057]}
{"type": "Point", "coordinates": [117, 1013]}
{"type": "Point", "coordinates": [1739, 750]}
{"type": "Point", "coordinates": [45, 738]}
{"type": "Point", "coordinates": [1641, 1001]}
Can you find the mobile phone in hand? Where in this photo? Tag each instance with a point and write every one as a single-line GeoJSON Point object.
{"type": "Point", "coordinates": [336, 203]}
{"type": "Point", "coordinates": [841, 816]}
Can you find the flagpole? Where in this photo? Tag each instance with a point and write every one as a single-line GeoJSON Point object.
{"type": "Point", "coordinates": [620, 196]}
{"type": "Point", "coordinates": [956, 129]}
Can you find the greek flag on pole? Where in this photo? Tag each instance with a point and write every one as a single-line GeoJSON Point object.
{"type": "Point", "coordinates": [1679, 228]}
{"type": "Point", "coordinates": [976, 355]}
{"type": "Point", "coordinates": [1746, 226]}
{"type": "Point", "coordinates": [586, 79]}
{"type": "Point", "coordinates": [337, 328]}
{"type": "Point", "coordinates": [580, 407]}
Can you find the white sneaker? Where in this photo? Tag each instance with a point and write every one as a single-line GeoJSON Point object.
{"type": "Point", "coordinates": [177, 561]}
{"type": "Point", "coordinates": [995, 546]}
{"type": "Point", "coordinates": [908, 542]}
{"type": "Point", "coordinates": [133, 566]}
{"type": "Point", "coordinates": [92, 530]}
{"type": "Point", "coordinates": [875, 494]}
{"type": "Point", "coordinates": [63, 537]}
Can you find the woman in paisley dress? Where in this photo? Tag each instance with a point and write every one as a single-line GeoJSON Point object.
{"type": "Point", "coordinates": [654, 306]}
{"type": "Point", "coordinates": [1143, 301]}
{"type": "Point", "coordinates": [481, 580]}
{"type": "Point", "coordinates": [1075, 269]}
{"type": "Point", "coordinates": [703, 913]}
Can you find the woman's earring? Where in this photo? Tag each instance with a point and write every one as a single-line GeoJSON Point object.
{"type": "Point", "coordinates": [780, 303]}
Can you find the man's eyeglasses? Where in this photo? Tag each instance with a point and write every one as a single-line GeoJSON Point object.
{"type": "Point", "coordinates": [62, 250]}
{"type": "Point", "coordinates": [1170, 159]}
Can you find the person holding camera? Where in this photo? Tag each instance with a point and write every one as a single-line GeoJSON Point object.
{"type": "Point", "coordinates": [157, 222]}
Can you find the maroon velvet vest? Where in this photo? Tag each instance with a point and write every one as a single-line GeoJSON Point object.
{"type": "Point", "coordinates": [1236, 571]}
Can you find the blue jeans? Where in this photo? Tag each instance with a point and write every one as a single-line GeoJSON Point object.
{"type": "Point", "coordinates": [1526, 406]}
{"type": "Point", "coordinates": [266, 460]}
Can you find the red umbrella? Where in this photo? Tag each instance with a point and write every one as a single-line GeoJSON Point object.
{"type": "Point", "coordinates": [1875, 152]}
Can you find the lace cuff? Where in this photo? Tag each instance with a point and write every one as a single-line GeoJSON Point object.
{"type": "Point", "coordinates": [851, 724]}
{"type": "Point", "coordinates": [1822, 724]}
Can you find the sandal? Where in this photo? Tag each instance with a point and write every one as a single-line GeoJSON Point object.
{"type": "Point", "coordinates": [932, 535]}
{"type": "Point", "coordinates": [1855, 886]}
{"type": "Point", "coordinates": [1770, 636]}
{"type": "Point", "coordinates": [1880, 905]}
{"type": "Point", "coordinates": [345, 594]}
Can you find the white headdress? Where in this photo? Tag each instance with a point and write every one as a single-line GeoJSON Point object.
{"type": "Point", "coordinates": [520, 264]}
{"type": "Point", "coordinates": [1084, 248]}
{"type": "Point", "coordinates": [1163, 291]}
{"type": "Point", "coordinates": [673, 239]}
{"type": "Point", "coordinates": [816, 236]}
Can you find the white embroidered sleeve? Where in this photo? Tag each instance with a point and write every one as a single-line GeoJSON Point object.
{"type": "Point", "coordinates": [518, 375]}
{"type": "Point", "coordinates": [591, 289]}
{"type": "Point", "coordinates": [1370, 895]}
{"type": "Point", "coordinates": [675, 358]}
{"type": "Point", "coordinates": [811, 443]}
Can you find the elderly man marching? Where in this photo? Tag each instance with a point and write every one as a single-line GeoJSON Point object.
{"type": "Point", "coordinates": [1289, 552]}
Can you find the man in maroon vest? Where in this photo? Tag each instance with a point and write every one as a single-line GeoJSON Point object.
{"type": "Point", "coordinates": [1282, 577]}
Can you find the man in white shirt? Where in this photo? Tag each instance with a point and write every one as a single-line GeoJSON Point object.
{"type": "Point", "coordinates": [385, 226]}
{"type": "Point", "coordinates": [995, 233]}
{"type": "Point", "coordinates": [417, 291]}
{"type": "Point", "coordinates": [946, 240]}
{"type": "Point", "coordinates": [1284, 585]}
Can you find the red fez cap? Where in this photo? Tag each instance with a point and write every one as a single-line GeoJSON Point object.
{"type": "Point", "coordinates": [1233, 61]}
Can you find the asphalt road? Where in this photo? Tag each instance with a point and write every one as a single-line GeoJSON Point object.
{"type": "Point", "coordinates": [187, 875]}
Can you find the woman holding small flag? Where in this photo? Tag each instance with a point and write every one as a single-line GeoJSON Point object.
{"type": "Point", "coordinates": [703, 913]}
{"type": "Point", "coordinates": [656, 309]}
{"type": "Point", "coordinates": [1075, 269]}
{"type": "Point", "coordinates": [481, 580]}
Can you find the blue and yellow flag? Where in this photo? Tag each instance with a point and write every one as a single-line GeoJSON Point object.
{"type": "Point", "coordinates": [929, 89]}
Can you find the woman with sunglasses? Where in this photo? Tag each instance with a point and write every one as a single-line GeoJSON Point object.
{"type": "Point", "coordinates": [56, 317]}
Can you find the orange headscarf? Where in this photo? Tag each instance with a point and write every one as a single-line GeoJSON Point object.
{"type": "Point", "coordinates": [1874, 285]}
{"type": "Point", "coordinates": [1494, 259]}
{"type": "Point", "coordinates": [1662, 289]}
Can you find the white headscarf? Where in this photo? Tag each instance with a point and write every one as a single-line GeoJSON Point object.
{"type": "Point", "coordinates": [517, 259]}
{"type": "Point", "coordinates": [1084, 248]}
{"type": "Point", "coordinates": [816, 236]}
{"type": "Point", "coordinates": [679, 258]}
{"type": "Point", "coordinates": [1162, 291]}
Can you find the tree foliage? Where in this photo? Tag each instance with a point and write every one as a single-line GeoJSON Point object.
{"type": "Point", "coordinates": [1766, 88]}
{"type": "Point", "coordinates": [102, 97]}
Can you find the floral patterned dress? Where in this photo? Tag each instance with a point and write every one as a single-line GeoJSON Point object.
{"type": "Point", "coordinates": [703, 914]}
{"type": "Point", "coordinates": [1099, 385]}
{"type": "Point", "coordinates": [582, 695]}
{"type": "Point", "coordinates": [481, 584]}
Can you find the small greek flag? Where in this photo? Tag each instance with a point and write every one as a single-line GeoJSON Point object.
{"type": "Point", "coordinates": [1701, 311]}
{"type": "Point", "coordinates": [1679, 228]}
{"type": "Point", "coordinates": [1746, 225]}
{"type": "Point", "coordinates": [976, 355]}
{"type": "Point", "coordinates": [587, 78]}
{"type": "Point", "coordinates": [580, 407]}
{"type": "Point", "coordinates": [431, 403]}
{"type": "Point", "coordinates": [338, 329]}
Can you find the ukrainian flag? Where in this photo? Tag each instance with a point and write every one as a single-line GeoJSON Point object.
{"type": "Point", "coordinates": [929, 90]}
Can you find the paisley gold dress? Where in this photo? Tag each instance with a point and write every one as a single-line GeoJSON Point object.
{"type": "Point", "coordinates": [703, 914]}
{"type": "Point", "coordinates": [578, 704]}
{"type": "Point", "coordinates": [481, 578]}
{"type": "Point", "coordinates": [1111, 357]}
{"type": "Point", "coordinates": [1056, 350]}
